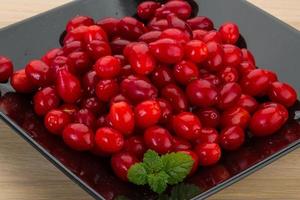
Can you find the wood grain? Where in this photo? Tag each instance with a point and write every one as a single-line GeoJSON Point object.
{"type": "Point", "coordinates": [26, 175]}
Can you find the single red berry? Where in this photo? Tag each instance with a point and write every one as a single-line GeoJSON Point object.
{"type": "Point", "coordinates": [158, 139]}
{"type": "Point", "coordinates": [45, 100]}
{"type": "Point", "coordinates": [208, 135]}
{"type": "Point", "coordinates": [130, 28]}
{"type": "Point", "coordinates": [229, 74]}
{"type": "Point", "coordinates": [180, 144]}
{"type": "Point", "coordinates": [195, 159]}
{"type": "Point", "coordinates": [209, 117]}
{"type": "Point", "coordinates": [86, 117]}
{"type": "Point", "coordinates": [59, 63]}
{"type": "Point", "coordinates": [56, 120]}
{"type": "Point", "coordinates": [214, 36]}
{"type": "Point", "coordinates": [230, 94]}
{"type": "Point", "coordinates": [106, 89]}
{"type": "Point", "coordinates": [196, 51]}
{"type": "Point", "coordinates": [282, 93]}
{"type": "Point", "coordinates": [121, 117]}
{"type": "Point", "coordinates": [107, 67]}
{"type": "Point", "coordinates": [187, 125]}
{"type": "Point", "coordinates": [6, 69]}
{"type": "Point", "coordinates": [280, 108]}
{"type": "Point", "coordinates": [245, 67]}
{"type": "Point", "coordinates": [21, 83]}
{"type": "Point", "coordinates": [109, 140]}
{"type": "Point", "coordinates": [121, 163]}
{"type": "Point", "coordinates": [185, 72]}
{"type": "Point", "coordinates": [214, 61]}
{"type": "Point", "coordinates": [150, 36]}
{"type": "Point", "coordinates": [97, 49]}
{"type": "Point", "coordinates": [136, 146]}
{"type": "Point", "coordinates": [146, 10]}
{"type": "Point", "coordinates": [232, 137]}
{"type": "Point", "coordinates": [208, 153]}
{"type": "Point", "coordinates": [79, 21]}
{"type": "Point", "coordinates": [175, 34]}
{"type": "Point", "coordinates": [95, 32]}
{"type": "Point", "coordinates": [158, 24]}
{"type": "Point", "coordinates": [162, 76]}
{"type": "Point", "coordinates": [199, 34]}
{"type": "Point", "coordinates": [147, 113]}
{"type": "Point", "coordinates": [232, 56]}
{"type": "Point", "coordinates": [73, 46]}
{"type": "Point", "coordinates": [38, 73]}
{"type": "Point", "coordinates": [80, 62]}
{"type": "Point", "coordinates": [201, 22]}
{"type": "Point", "coordinates": [78, 137]}
{"type": "Point", "coordinates": [181, 9]}
{"type": "Point", "coordinates": [76, 34]}
{"type": "Point", "coordinates": [236, 116]}
{"type": "Point", "coordinates": [51, 55]}
{"type": "Point", "coordinates": [230, 33]}
{"type": "Point", "coordinates": [109, 25]}
{"type": "Point", "coordinates": [247, 102]}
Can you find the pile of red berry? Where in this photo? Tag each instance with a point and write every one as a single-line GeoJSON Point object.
{"type": "Point", "coordinates": [164, 81]}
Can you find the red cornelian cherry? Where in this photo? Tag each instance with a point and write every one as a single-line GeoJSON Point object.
{"type": "Point", "coordinates": [281, 109]}
{"type": "Point", "coordinates": [247, 56]}
{"type": "Point", "coordinates": [95, 32]}
{"type": "Point", "coordinates": [212, 36]}
{"type": "Point", "coordinates": [147, 113]}
{"type": "Point", "coordinates": [232, 137]}
{"type": "Point", "coordinates": [195, 158]}
{"type": "Point", "coordinates": [150, 36]}
{"type": "Point", "coordinates": [106, 89]}
{"type": "Point", "coordinates": [202, 93]}
{"type": "Point", "coordinates": [80, 62]}
{"type": "Point", "coordinates": [199, 34]}
{"type": "Point", "coordinates": [146, 10]}
{"type": "Point", "coordinates": [97, 49]}
{"type": "Point", "coordinates": [247, 102]}
{"type": "Point", "coordinates": [93, 104]}
{"type": "Point", "coordinates": [158, 139]}
{"type": "Point", "coordinates": [245, 67]}
{"type": "Point", "coordinates": [232, 56]}
{"type": "Point", "coordinates": [236, 116]}
{"type": "Point", "coordinates": [282, 93]}
{"type": "Point", "coordinates": [130, 28]}
{"type": "Point", "coordinates": [214, 61]}
{"type": "Point", "coordinates": [158, 24]}
{"type": "Point", "coordinates": [187, 125]}
{"type": "Point", "coordinates": [208, 153]}
{"type": "Point", "coordinates": [166, 110]}
{"type": "Point", "coordinates": [209, 117]}
{"type": "Point", "coordinates": [230, 33]}
{"type": "Point", "coordinates": [76, 34]}
{"type": "Point", "coordinates": [181, 9]}
{"type": "Point", "coordinates": [121, 163]}
{"type": "Point", "coordinates": [176, 34]}
{"type": "Point", "coordinates": [208, 135]}
{"type": "Point", "coordinates": [56, 120]}
{"type": "Point", "coordinates": [266, 121]}
{"type": "Point", "coordinates": [59, 63]}
{"type": "Point", "coordinates": [136, 146]}
{"type": "Point", "coordinates": [109, 140]}
{"type": "Point", "coordinates": [229, 74]}
{"type": "Point", "coordinates": [167, 50]}
{"type": "Point", "coordinates": [230, 94]}
{"type": "Point", "coordinates": [21, 83]}
{"type": "Point", "coordinates": [68, 87]}
{"type": "Point", "coordinates": [79, 21]}
{"type": "Point", "coordinates": [176, 97]}
{"type": "Point", "coordinates": [121, 117]}
{"type": "Point", "coordinates": [38, 72]}
{"type": "Point", "coordinates": [162, 76]}
{"type": "Point", "coordinates": [45, 100]}
{"type": "Point", "coordinates": [201, 22]}
{"type": "Point", "coordinates": [86, 117]}
{"type": "Point", "coordinates": [109, 25]}
{"type": "Point", "coordinates": [78, 137]}
{"type": "Point", "coordinates": [73, 46]}
{"type": "Point", "coordinates": [180, 144]}
{"type": "Point", "coordinates": [51, 55]}
{"type": "Point", "coordinates": [107, 67]}
{"type": "Point", "coordinates": [6, 69]}
{"type": "Point", "coordinates": [196, 51]}
{"type": "Point", "coordinates": [185, 72]}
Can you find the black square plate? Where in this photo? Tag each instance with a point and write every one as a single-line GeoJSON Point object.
{"type": "Point", "coordinates": [275, 45]}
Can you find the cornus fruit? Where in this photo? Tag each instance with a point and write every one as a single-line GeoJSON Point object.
{"type": "Point", "coordinates": [160, 94]}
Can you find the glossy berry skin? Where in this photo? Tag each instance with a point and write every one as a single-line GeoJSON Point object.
{"type": "Point", "coordinates": [158, 139]}
{"type": "Point", "coordinates": [56, 120]}
{"type": "Point", "coordinates": [121, 117]}
{"type": "Point", "coordinates": [267, 121]}
{"type": "Point", "coordinates": [247, 56]}
{"type": "Point", "coordinates": [147, 113]}
{"type": "Point", "coordinates": [118, 98]}
{"type": "Point", "coordinates": [117, 45]}
{"type": "Point", "coordinates": [109, 25]}
{"type": "Point", "coordinates": [202, 93]}
{"type": "Point", "coordinates": [51, 55]}
{"type": "Point", "coordinates": [150, 36]}
{"type": "Point", "coordinates": [257, 82]}
{"type": "Point", "coordinates": [176, 34]}
{"type": "Point", "coordinates": [140, 58]}
{"type": "Point", "coordinates": [95, 32]}
{"type": "Point", "coordinates": [109, 140]}
{"type": "Point", "coordinates": [78, 137]}
{"type": "Point", "coordinates": [214, 61]}
{"type": "Point", "coordinates": [176, 97]}
{"type": "Point", "coordinates": [21, 83]}
{"type": "Point", "coordinates": [245, 68]}
{"type": "Point", "coordinates": [196, 51]}
{"type": "Point", "coordinates": [146, 10]}
{"type": "Point", "coordinates": [121, 162]}
{"type": "Point", "coordinates": [181, 9]}
{"type": "Point", "coordinates": [187, 125]}
{"type": "Point", "coordinates": [236, 116]}
{"type": "Point", "coordinates": [213, 79]}
{"type": "Point", "coordinates": [247, 102]}
{"type": "Point", "coordinates": [86, 117]}
{"type": "Point", "coordinates": [107, 67]}
{"type": "Point", "coordinates": [45, 100]}
{"type": "Point", "coordinates": [68, 87]}
{"type": "Point", "coordinates": [229, 74]}
{"type": "Point", "coordinates": [180, 144]}
{"type": "Point", "coordinates": [201, 22]}
{"type": "Point", "coordinates": [89, 82]}
{"type": "Point", "coordinates": [73, 46]}
{"type": "Point", "coordinates": [136, 146]}
{"type": "Point", "coordinates": [158, 24]}
{"type": "Point", "coordinates": [230, 33]}
{"type": "Point", "coordinates": [96, 49]}
{"type": "Point", "coordinates": [232, 137]}
{"type": "Point", "coordinates": [282, 93]}
{"type": "Point", "coordinates": [195, 158]}
{"type": "Point", "coordinates": [80, 62]}
{"type": "Point", "coordinates": [93, 104]}
{"type": "Point", "coordinates": [208, 135]}
{"type": "Point", "coordinates": [70, 109]}
{"type": "Point", "coordinates": [232, 56]}
{"type": "Point", "coordinates": [210, 117]}
{"type": "Point", "coordinates": [229, 95]}
{"type": "Point", "coordinates": [59, 63]}
{"type": "Point", "coordinates": [167, 50]}
{"type": "Point", "coordinates": [137, 89]}
{"type": "Point", "coordinates": [76, 34]}
{"type": "Point", "coordinates": [130, 28]}
{"type": "Point", "coordinates": [166, 110]}
{"type": "Point", "coordinates": [208, 153]}
{"type": "Point", "coordinates": [199, 34]}
{"type": "Point", "coordinates": [79, 21]}
{"type": "Point", "coordinates": [185, 72]}
{"type": "Point", "coordinates": [281, 109]}
{"type": "Point", "coordinates": [106, 89]}
{"type": "Point", "coordinates": [212, 36]}
{"type": "Point", "coordinates": [6, 69]}
{"type": "Point", "coordinates": [162, 76]}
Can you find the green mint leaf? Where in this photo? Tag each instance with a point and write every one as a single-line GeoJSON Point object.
{"type": "Point", "coordinates": [152, 161]}
{"type": "Point", "coordinates": [177, 166]}
{"type": "Point", "coordinates": [137, 174]}
{"type": "Point", "coordinates": [184, 192]}
{"type": "Point", "coordinates": [158, 182]}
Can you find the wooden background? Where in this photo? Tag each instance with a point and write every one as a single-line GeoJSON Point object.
{"type": "Point", "coordinates": [26, 175]}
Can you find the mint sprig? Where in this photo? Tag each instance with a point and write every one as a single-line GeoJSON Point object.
{"type": "Point", "coordinates": [160, 171]}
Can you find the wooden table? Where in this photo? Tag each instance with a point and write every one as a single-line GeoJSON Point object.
{"type": "Point", "coordinates": [26, 175]}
